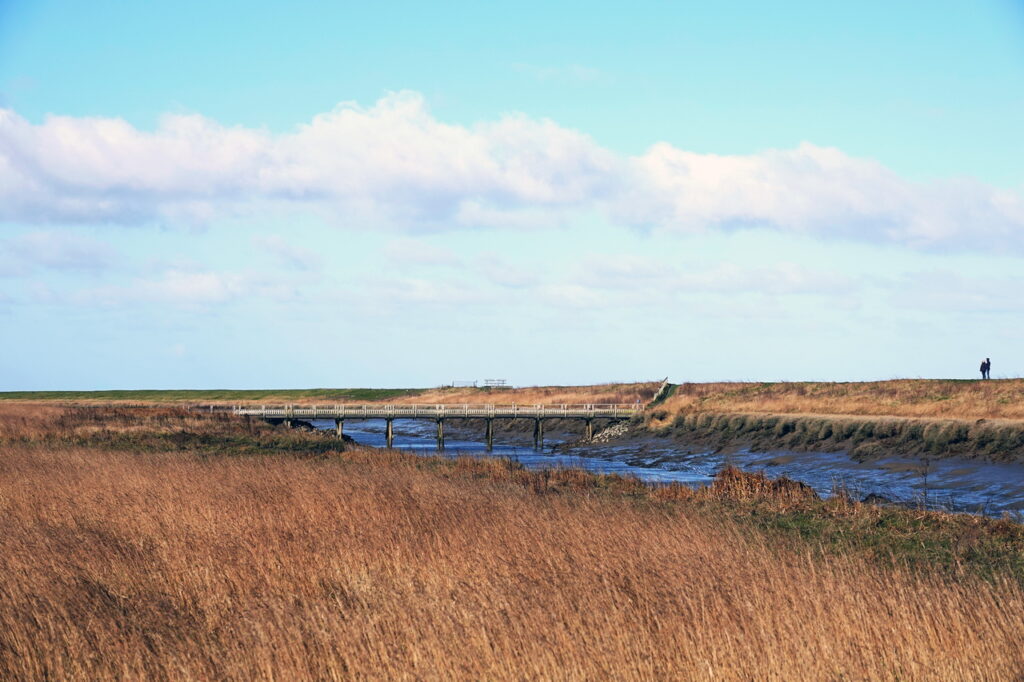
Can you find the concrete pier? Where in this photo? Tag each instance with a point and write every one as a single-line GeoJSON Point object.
{"type": "Point", "coordinates": [538, 434]}
{"type": "Point", "coordinates": [588, 431]}
{"type": "Point", "coordinates": [339, 425]}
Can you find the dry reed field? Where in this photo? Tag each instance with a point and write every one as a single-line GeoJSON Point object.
{"type": "Point", "coordinates": [547, 395]}
{"type": "Point", "coordinates": [934, 418]}
{"type": "Point", "coordinates": [131, 562]}
{"type": "Point", "coordinates": [920, 398]}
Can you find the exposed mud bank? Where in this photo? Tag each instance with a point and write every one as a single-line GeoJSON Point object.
{"type": "Point", "coordinates": [864, 438]}
{"type": "Point", "coordinates": [567, 428]}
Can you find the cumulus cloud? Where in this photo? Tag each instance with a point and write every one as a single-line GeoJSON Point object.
{"type": "Point", "coordinates": [395, 164]}
{"type": "Point", "coordinates": [816, 190]}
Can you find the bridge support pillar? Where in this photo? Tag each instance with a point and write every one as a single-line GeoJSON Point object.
{"type": "Point", "coordinates": [489, 434]}
{"type": "Point", "coordinates": [588, 430]}
{"type": "Point", "coordinates": [389, 432]}
{"type": "Point", "coordinates": [288, 423]}
{"type": "Point", "coordinates": [339, 425]}
{"type": "Point", "coordinates": [538, 434]}
{"type": "Point", "coordinates": [440, 434]}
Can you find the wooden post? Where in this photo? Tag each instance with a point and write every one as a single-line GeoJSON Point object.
{"type": "Point", "coordinates": [538, 434]}
{"type": "Point", "coordinates": [490, 434]}
{"type": "Point", "coordinates": [339, 425]}
{"type": "Point", "coordinates": [588, 432]}
{"type": "Point", "coordinates": [389, 432]}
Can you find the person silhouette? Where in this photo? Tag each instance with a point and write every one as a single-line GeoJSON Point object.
{"type": "Point", "coordinates": [983, 368]}
{"type": "Point", "coordinates": [988, 368]}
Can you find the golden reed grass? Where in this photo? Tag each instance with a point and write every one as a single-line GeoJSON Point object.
{"type": "Point", "coordinates": [371, 565]}
{"type": "Point", "coordinates": [915, 398]}
{"type": "Point", "coordinates": [921, 398]}
{"type": "Point", "coordinates": [547, 395]}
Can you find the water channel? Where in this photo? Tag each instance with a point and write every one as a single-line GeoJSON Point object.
{"type": "Point", "coordinates": [954, 484]}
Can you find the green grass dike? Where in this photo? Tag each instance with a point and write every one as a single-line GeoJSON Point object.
{"type": "Point", "coordinates": [214, 395]}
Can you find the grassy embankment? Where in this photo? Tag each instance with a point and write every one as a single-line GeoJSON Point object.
{"type": "Point", "coordinates": [216, 396]}
{"type": "Point", "coordinates": [917, 417]}
{"type": "Point", "coordinates": [126, 554]}
{"type": "Point", "coordinates": [551, 395]}
{"type": "Point", "coordinates": [870, 419]}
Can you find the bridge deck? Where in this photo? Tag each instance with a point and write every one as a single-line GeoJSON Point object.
{"type": "Point", "coordinates": [400, 411]}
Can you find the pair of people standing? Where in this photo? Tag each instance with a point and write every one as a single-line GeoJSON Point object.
{"type": "Point", "coordinates": [986, 367]}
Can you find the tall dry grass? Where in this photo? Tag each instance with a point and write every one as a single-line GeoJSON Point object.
{"type": "Point", "coordinates": [122, 565]}
{"type": "Point", "coordinates": [917, 398]}
{"type": "Point", "coordinates": [927, 398]}
{"type": "Point", "coordinates": [547, 395]}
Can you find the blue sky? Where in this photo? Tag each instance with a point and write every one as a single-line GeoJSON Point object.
{"type": "Point", "coordinates": [384, 194]}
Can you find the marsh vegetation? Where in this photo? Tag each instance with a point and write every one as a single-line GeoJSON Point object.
{"type": "Point", "coordinates": [249, 552]}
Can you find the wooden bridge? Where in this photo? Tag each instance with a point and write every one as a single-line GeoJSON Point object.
{"type": "Point", "coordinates": [439, 413]}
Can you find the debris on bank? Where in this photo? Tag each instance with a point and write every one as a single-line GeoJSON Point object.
{"type": "Point", "coordinates": [613, 432]}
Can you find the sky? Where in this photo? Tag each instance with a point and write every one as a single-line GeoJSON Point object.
{"type": "Point", "coordinates": [410, 194]}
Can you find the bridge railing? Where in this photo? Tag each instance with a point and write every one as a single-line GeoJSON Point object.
{"type": "Point", "coordinates": [412, 410]}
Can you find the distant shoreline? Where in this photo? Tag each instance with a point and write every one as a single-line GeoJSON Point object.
{"type": "Point", "coordinates": [916, 417]}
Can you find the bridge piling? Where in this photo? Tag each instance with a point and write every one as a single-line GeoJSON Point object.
{"type": "Point", "coordinates": [287, 414]}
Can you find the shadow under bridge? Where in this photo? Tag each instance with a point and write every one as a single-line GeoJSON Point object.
{"type": "Point", "coordinates": [439, 413]}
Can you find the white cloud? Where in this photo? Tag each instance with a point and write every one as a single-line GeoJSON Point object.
{"type": "Point", "coordinates": [290, 254]}
{"type": "Point", "coordinates": [819, 191]}
{"type": "Point", "coordinates": [499, 271]}
{"type": "Point", "coordinates": [395, 164]}
{"type": "Point", "coordinates": [945, 291]}
{"type": "Point", "coordinates": [57, 250]}
{"type": "Point", "coordinates": [777, 279]}
{"type": "Point", "coordinates": [408, 251]}
{"type": "Point", "coordinates": [624, 271]}
{"type": "Point", "coordinates": [572, 296]}
{"type": "Point", "coordinates": [416, 290]}
{"type": "Point", "coordinates": [187, 288]}
{"type": "Point", "coordinates": [638, 274]}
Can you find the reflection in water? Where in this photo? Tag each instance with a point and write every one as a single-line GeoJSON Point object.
{"type": "Point", "coordinates": [955, 484]}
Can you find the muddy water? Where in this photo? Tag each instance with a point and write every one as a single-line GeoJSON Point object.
{"type": "Point", "coordinates": [954, 484]}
